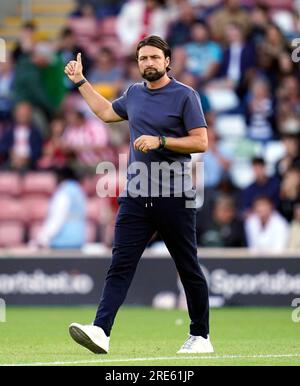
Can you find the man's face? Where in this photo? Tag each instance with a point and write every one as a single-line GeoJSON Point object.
{"type": "Point", "coordinates": [259, 171]}
{"type": "Point", "coordinates": [152, 63]}
{"type": "Point", "coordinates": [23, 114]}
{"type": "Point", "coordinates": [263, 209]}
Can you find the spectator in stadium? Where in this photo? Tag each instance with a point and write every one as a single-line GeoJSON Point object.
{"type": "Point", "coordinates": [180, 30]}
{"type": "Point", "coordinates": [260, 114]}
{"type": "Point", "coordinates": [201, 56]}
{"type": "Point", "coordinates": [289, 192]}
{"type": "Point", "coordinates": [238, 60]}
{"type": "Point", "coordinates": [272, 53]}
{"type": "Point", "coordinates": [192, 81]}
{"type": "Point", "coordinates": [231, 12]}
{"type": "Point", "coordinates": [84, 24]}
{"type": "Point", "coordinates": [6, 82]}
{"type": "Point", "coordinates": [294, 239]}
{"type": "Point", "coordinates": [259, 17]}
{"type": "Point", "coordinates": [262, 186]}
{"type": "Point", "coordinates": [217, 161]}
{"type": "Point", "coordinates": [84, 140]}
{"type": "Point", "coordinates": [131, 72]}
{"type": "Point", "coordinates": [68, 48]}
{"type": "Point", "coordinates": [266, 229]}
{"type": "Point", "coordinates": [21, 144]}
{"type": "Point", "coordinates": [138, 19]}
{"type": "Point", "coordinates": [26, 41]}
{"type": "Point", "coordinates": [106, 75]}
{"type": "Point", "coordinates": [291, 157]}
{"type": "Point", "coordinates": [53, 153]}
{"type": "Point", "coordinates": [39, 79]}
{"type": "Point", "coordinates": [65, 225]}
{"type": "Point", "coordinates": [225, 229]}
{"type": "Point", "coordinates": [288, 105]}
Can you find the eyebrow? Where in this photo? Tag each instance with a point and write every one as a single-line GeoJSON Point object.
{"type": "Point", "coordinates": [151, 56]}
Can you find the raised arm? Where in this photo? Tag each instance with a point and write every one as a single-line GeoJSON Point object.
{"type": "Point", "coordinates": [98, 104]}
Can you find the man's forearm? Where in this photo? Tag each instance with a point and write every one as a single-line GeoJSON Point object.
{"type": "Point", "coordinates": [98, 104]}
{"type": "Point", "coordinates": [186, 145]}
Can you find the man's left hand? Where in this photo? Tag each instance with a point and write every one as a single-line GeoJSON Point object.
{"type": "Point", "coordinates": [145, 143]}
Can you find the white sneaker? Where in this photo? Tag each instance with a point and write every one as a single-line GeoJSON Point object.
{"type": "Point", "coordinates": [196, 345]}
{"type": "Point", "coordinates": [91, 337]}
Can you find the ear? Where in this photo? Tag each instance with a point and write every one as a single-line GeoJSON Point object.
{"type": "Point", "coordinates": [168, 61]}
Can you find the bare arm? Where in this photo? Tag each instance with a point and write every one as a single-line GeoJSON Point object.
{"type": "Point", "coordinates": [195, 142]}
{"type": "Point", "coordinates": [98, 104]}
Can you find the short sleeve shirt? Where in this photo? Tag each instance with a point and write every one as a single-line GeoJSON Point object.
{"type": "Point", "coordinates": [169, 111]}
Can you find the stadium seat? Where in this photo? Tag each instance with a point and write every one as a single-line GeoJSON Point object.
{"type": "Point", "coordinates": [241, 174]}
{"type": "Point", "coordinates": [11, 210]}
{"type": "Point", "coordinates": [39, 183]}
{"type": "Point", "coordinates": [11, 234]}
{"type": "Point", "coordinates": [10, 184]}
{"type": "Point", "coordinates": [35, 208]}
{"type": "Point", "coordinates": [284, 20]}
{"type": "Point", "coordinates": [274, 151]}
{"type": "Point", "coordinates": [221, 99]}
{"type": "Point", "coordinates": [231, 125]}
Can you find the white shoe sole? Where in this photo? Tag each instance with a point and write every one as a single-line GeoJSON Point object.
{"type": "Point", "coordinates": [195, 352]}
{"type": "Point", "coordinates": [84, 340]}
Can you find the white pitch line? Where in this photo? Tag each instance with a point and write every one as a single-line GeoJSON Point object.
{"type": "Point", "coordinates": [120, 360]}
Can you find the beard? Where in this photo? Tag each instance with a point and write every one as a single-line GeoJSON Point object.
{"type": "Point", "coordinates": [153, 74]}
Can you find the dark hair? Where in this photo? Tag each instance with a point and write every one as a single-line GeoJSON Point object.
{"type": "Point", "coordinates": [29, 24]}
{"type": "Point", "coordinates": [263, 197]}
{"type": "Point", "coordinates": [65, 173]}
{"type": "Point", "coordinates": [258, 161]}
{"type": "Point", "coordinates": [155, 41]}
{"type": "Point", "coordinates": [66, 32]}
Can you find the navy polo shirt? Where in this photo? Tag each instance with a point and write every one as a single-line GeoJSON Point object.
{"type": "Point", "coordinates": [169, 111]}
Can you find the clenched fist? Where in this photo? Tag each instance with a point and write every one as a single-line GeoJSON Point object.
{"type": "Point", "coordinates": [146, 143]}
{"type": "Point", "coordinates": [74, 69]}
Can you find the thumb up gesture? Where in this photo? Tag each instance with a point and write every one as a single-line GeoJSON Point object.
{"type": "Point", "coordinates": [74, 69]}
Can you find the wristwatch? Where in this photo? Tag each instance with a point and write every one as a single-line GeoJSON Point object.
{"type": "Point", "coordinates": [162, 142]}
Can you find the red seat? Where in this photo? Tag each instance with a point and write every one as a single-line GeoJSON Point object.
{"type": "Point", "coordinates": [39, 183]}
{"type": "Point", "coordinates": [11, 234]}
{"type": "Point", "coordinates": [10, 184]}
{"type": "Point", "coordinates": [11, 210]}
{"type": "Point", "coordinates": [35, 208]}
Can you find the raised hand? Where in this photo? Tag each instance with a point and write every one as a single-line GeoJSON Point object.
{"type": "Point", "coordinates": [74, 69]}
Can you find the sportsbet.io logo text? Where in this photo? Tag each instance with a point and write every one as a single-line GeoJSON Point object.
{"type": "Point", "coordinates": [2, 51]}
{"type": "Point", "coordinates": [2, 311]}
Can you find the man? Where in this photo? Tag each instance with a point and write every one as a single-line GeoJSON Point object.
{"type": "Point", "coordinates": [266, 229]}
{"type": "Point", "coordinates": [262, 186]}
{"type": "Point", "coordinates": [66, 222]}
{"type": "Point", "coordinates": [166, 124]}
{"type": "Point", "coordinates": [22, 143]}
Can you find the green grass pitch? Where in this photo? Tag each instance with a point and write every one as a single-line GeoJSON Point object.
{"type": "Point", "coordinates": [241, 336]}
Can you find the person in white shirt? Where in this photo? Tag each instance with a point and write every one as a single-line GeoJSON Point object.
{"type": "Point", "coordinates": [266, 229]}
{"type": "Point", "coordinates": [139, 19]}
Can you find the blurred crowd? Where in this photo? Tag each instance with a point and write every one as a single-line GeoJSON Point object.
{"type": "Point", "coordinates": [241, 58]}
